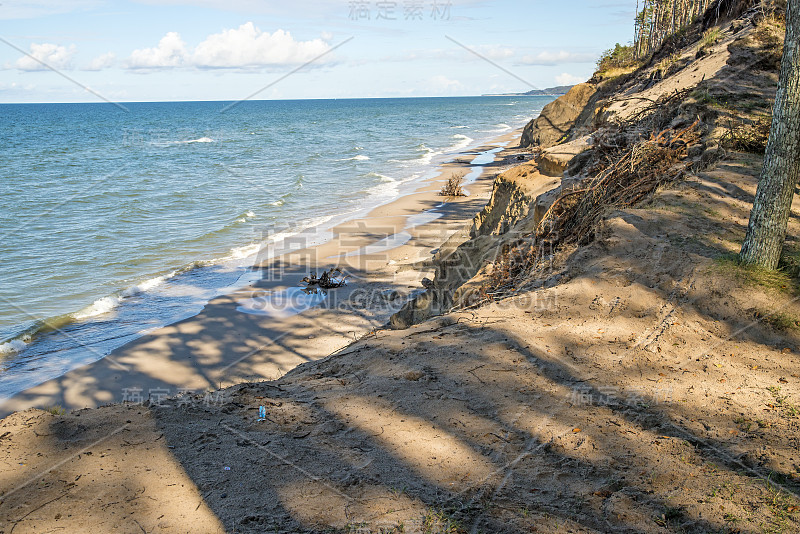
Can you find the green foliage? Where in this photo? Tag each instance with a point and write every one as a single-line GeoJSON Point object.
{"type": "Point", "coordinates": [439, 522]}
{"type": "Point", "coordinates": [703, 96]}
{"type": "Point", "coordinates": [781, 322]}
{"type": "Point", "coordinates": [710, 37]}
{"type": "Point", "coordinates": [56, 409]}
{"type": "Point", "coordinates": [615, 58]}
{"type": "Point", "coordinates": [778, 280]}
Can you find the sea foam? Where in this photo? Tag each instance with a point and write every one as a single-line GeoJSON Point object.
{"type": "Point", "coordinates": [463, 142]}
{"type": "Point", "coordinates": [99, 307]}
{"type": "Point", "coordinates": [15, 345]}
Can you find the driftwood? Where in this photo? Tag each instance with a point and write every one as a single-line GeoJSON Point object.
{"type": "Point", "coordinates": [330, 279]}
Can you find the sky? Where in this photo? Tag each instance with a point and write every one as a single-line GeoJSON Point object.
{"type": "Point", "coordinates": [165, 50]}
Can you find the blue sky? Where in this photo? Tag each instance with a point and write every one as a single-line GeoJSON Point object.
{"type": "Point", "coordinates": [150, 50]}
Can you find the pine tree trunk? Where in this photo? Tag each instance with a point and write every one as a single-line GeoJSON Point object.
{"type": "Point", "coordinates": [672, 29]}
{"type": "Point", "coordinates": [771, 207]}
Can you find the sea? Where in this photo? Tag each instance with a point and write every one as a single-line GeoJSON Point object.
{"type": "Point", "coordinates": [116, 220]}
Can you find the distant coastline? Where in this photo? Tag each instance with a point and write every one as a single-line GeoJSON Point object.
{"type": "Point", "coordinates": [550, 91]}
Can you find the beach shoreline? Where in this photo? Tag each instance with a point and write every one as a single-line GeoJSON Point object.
{"type": "Point", "coordinates": [267, 327]}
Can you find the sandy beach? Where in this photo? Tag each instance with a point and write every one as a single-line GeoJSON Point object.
{"type": "Point", "coordinates": [270, 327]}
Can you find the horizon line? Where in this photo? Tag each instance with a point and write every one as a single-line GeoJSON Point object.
{"type": "Point", "coordinates": [279, 99]}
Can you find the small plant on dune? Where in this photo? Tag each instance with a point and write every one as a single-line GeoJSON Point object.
{"type": "Point", "coordinates": [780, 322]}
{"type": "Point", "coordinates": [710, 37]}
{"type": "Point", "coordinates": [666, 66]}
{"type": "Point", "coordinates": [788, 408]}
{"type": "Point", "coordinates": [56, 409]}
{"type": "Point", "coordinates": [704, 96]}
{"type": "Point", "coordinates": [438, 522]}
{"type": "Point", "coordinates": [453, 187]}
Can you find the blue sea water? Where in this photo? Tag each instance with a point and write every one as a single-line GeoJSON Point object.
{"type": "Point", "coordinates": [116, 222]}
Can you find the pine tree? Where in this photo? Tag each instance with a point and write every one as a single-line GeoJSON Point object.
{"type": "Point", "coordinates": [781, 171]}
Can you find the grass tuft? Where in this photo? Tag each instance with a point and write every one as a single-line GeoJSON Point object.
{"type": "Point", "coordinates": [778, 280]}
{"type": "Point", "coordinates": [55, 409]}
{"type": "Point", "coordinates": [710, 37]}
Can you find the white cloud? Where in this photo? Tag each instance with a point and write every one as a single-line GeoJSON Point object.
{"type": "Point", "coordinates": [248, 46]}
{"type": "Point", "coordinates": [57, 57]}
{"type": "Point", "coordinates": [103, 61]}
{"type": "Point", "coordinates": [568, 79]}
{"type": "Point", "coordinates": [441, 84]}
{"type": "Point", "coordinates": [244, 47]}
{"type": "Point", "coordinates": [555, 58]}
{"type": "Point", "coordinates": [170, 52]}
{"type": "Point", "coordinates": [493, 51]}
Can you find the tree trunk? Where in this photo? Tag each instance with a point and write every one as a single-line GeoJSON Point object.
{"type": "Point", "coordinates": [771, 207]}
{"type": "Point", "coordinates": [672, 29]}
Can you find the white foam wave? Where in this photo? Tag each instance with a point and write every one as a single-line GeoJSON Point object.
{"type": "Point", "coordinates": [459, 127]}
{"type": "Point", "coordinates": [98, 307]}
{"type": "Point", "coordinates": [385, 189]}
{"type": "Point", "coordinates": [277, 203]}
{"type": "Point", "coordinates": [360, 157]}
{"type": "Point", "coordinates": [189, 141]}
{"type": "Point", "coordinates": [239, 253]}
{"type": "Point", "coordinates": [382, 177]}
{"type": "Point", "coordinates": [426, 158]}
{"type": "Point", "coordinates": [273, 242]}
{"type": "Point", "coordinates": [463, 142]}
{"type": "Point", "coordinates": [106, 304]}
{"type": "Point", "coordinates": [246, 215]}
{"type": "Point", "coordinates": [15, 345]}
{"type": "Point", "coordinates": [147, 285]}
